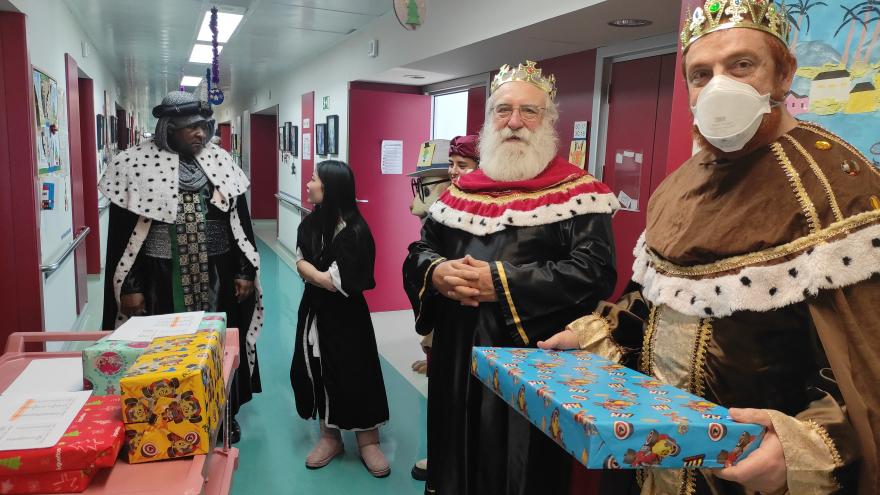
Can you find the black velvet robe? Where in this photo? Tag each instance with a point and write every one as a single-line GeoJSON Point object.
{"type": "Point", "coordinates": [344, 387]}
{"type": "Point", "coordinates": [544, 276]}
{"type": "Point", "coordinates": [153, 277]}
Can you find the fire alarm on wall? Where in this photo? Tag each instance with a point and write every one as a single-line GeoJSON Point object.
{"type": "Point", "coordinates": [373, 50]}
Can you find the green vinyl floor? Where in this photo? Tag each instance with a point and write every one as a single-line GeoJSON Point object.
{"type": "Point", "coordinates": [275, 441]}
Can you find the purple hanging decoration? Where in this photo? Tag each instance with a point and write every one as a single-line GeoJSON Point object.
{"type": "Point", "coordinates": [208, 80]}
{"type": "Point", "coordinates": [215, 94]}
{"type": "Point", "coordinates": [181, 81]}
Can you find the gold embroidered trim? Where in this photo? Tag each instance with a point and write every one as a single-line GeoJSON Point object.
{"type": "Point", "coordinates": [455, 192]}
{"type": "Point", "coordinates": [697, 384]}
{"type": "Point", "coordinates": [829, 194]}
{"type": "Point", "coordinates": [773, 253]}
{"type": "Point", "coordinates": [837, 139]}
{"type": "Point", "coordinates": [647, 358]}
{"type": "Point", "coordinates": [689, 482]}
{"type": "Point", "coordinates": [823, 434]}
{"type": "Point", "coordinates": [425, 284]}
{"type": "Point", "coordinates": [799, 192]}
{"type": "Point", "coordinates": [519, 328]}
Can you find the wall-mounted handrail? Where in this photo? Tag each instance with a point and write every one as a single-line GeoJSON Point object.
{"type": "Point", "coordinates": [290, 200]}
{"type": "Point", "coordinates": [51, 267]}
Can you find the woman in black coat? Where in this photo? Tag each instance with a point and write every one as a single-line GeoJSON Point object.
{"type": "Point", "coordinates": [335, 373]}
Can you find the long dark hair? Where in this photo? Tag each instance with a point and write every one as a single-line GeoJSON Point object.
{"type": "Point", "coordinates": [338, 204]}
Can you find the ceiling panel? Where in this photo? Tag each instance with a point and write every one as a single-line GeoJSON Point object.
{"type": "Point", "coordinates": [580, 30]}
{"type": "Point", "coordinates": [147, 44]}
{"type": "Point", "coordinates": [373, 8]}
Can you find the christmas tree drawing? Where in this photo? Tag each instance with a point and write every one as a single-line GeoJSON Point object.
{"type": "Point", "coordinates": [13, 463]}
{"type": "Point", "coordinates": [412, 18]}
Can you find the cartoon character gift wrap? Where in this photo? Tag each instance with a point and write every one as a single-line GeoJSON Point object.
{"type": "Point", "coordinates": [609, 416]}
{"type": "Point", "coordinates": [91, 442]}
{"type": "Point", "coordinates": [105, 361]}
{"type": "Point", "coordinates": [173, 396]}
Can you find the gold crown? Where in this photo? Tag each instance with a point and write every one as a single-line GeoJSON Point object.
{"type": "Point", "coordinates": [529, 73]}
{"type": "Point", "coordinates": [717, 15]}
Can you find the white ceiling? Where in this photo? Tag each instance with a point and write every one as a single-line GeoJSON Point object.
{"type": "Point", "coordinates": [148, 43]}
{"type": "Point", "coordinates": [580, 30]}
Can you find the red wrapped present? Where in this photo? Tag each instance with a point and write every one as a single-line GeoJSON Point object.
{"type": "Point", "coordinates": [92, 441]}
{"type": "Point", "coordinates": [53, 482]}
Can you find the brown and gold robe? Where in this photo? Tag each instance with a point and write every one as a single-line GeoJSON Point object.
{"type": "Point", "coordinates": [757, 285]}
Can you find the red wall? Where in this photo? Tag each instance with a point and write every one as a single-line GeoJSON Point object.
{"type": "Point", "coordinates": [21, 294]}
{"type": "Point", "coordinates": [476, 109]}
{"type": "Point", "coordinates": [264, 166]}
{"type": "Point", "coordinates": [90, 174]}
{"type": "Point", "coordinates": [575, 76]}
{"type": "Point", "coordinates": [682, 122]}
{"type": "Point", "coordinates": [384, 87]}
{"type": "Point", "coordinates": [226, 137]}
{"type": "Point", "coordinates": [307, 166]}
{"type": "Point", "coordinates": [373, 117]}
{"type": "Point", "coordinates": [121, 129]}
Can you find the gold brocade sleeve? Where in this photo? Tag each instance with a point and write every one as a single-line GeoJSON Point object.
{"type": "Point", "coordinates": [615, 330]}
{"type": "Point", "coordinates": [818, 445]}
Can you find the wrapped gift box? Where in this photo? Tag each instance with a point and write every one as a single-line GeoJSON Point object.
{"type": "Point", "coordinates": [55, 482]}
{"type": "Point", "coordinates": [106, 361]}
{"type": "Point", "coordinates": [91, 442]}
{"type": "Point", "coordinates": [609, 416]}
{"type": "Point", "coordinates": [172, 399]}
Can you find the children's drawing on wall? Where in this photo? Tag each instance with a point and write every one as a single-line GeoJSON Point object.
{"type": "Point", "coordinates": [46, 107]}
{"type": "Point", "coordinates": [837, 84]}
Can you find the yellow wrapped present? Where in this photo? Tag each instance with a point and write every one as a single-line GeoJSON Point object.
{"type": "Point", "coordinates": [173, 396]}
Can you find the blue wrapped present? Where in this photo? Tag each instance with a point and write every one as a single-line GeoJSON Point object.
{"type": "Point", "coordinates": [611, 417]}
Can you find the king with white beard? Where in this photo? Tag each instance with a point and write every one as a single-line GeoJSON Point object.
{"type": "Point", "coordinates": [507, 257]}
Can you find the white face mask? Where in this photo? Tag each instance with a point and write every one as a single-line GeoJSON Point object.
{"type": "Point", "coordinates": [728, 113]}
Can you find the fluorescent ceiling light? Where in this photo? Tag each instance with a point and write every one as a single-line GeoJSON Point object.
{"type": "Point", "coordinates": [190, 81]}
{"type": "Point", "coordinates": [202, 54]}
{"type": "Point", "coordinates": [226, 24]}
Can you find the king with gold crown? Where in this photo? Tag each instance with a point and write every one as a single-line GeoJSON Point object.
{"type": "Point", "coordinates": [757, 281]}
{"type": "Point", "coordinates": [508, 255]}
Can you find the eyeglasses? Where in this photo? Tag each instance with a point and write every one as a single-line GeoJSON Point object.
{"type": "Point", "coordinates": [528, 113]}
{"type": "Point", "coordinates": [421, 189]}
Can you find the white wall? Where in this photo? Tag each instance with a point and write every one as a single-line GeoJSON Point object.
{"type": "Point", "coordinates": [450, 24]}
{"type": "Point", "coordinates": [52, 32]}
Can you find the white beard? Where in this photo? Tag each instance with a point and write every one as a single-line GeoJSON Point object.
{"type": "Point", "coordinates": [507, 161]}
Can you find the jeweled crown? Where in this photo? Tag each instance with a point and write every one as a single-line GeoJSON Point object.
{"type": "Point", "coordinates": [717, 15]}
{"type": "Point", "coordinates": [529, 73]}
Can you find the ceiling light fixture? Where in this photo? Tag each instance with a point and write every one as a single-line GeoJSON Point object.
{"type": "Point", "coordinates": [190, 81]}
{"type": "Point", "coordinates": [202, 54]}
{"type": "Point", "coordinates": [413, 76]}
{"type": "Point", "coordinates": [630, 23]}
{"type": "Point", "coordinates": [226, 24]}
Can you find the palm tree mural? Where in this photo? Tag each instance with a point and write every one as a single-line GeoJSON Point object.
{"type": "Point", "coordinates": [863, 14]}
{"type": "Point", "coordinates": [799, 16]}
{"type": "Point", "coordinates": [873, 8]}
